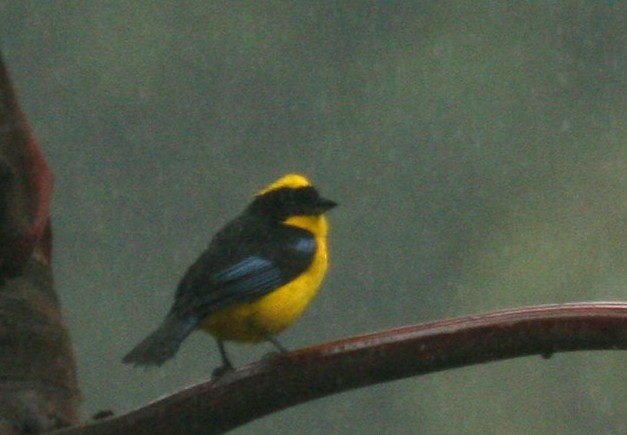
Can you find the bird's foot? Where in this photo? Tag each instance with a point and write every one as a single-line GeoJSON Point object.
{"type": "Point", "coordinates": [273, 355]}
{"type": "Point", "coordinates": [221, 371]}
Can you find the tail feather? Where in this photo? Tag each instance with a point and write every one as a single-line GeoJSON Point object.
{"type": "Point", "coordinates": [162, 344]}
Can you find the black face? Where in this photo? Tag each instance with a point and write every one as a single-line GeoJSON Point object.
{"type": "Point", "coordinates": [292, 202]}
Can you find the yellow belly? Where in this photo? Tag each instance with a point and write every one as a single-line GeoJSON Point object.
{"type": "Point", "coordinates": [272, 313]}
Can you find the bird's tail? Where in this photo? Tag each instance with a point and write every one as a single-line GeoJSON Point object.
{"type": "Point", "coordinates": [162, 344]}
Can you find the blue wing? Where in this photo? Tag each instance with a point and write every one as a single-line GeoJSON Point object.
{"type": "Point", "coordinates": [241, 266]}
{"type": "Point", "coordinates": [251, 273]}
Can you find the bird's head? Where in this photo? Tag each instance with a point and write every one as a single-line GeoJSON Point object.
{"type": "Point", "coordinates": [291, 195]}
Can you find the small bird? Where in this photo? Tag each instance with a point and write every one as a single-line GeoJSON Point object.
{"type": "Point", "coordinates": [255, 279]}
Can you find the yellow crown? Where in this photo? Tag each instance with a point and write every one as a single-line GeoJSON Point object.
{"type": "Point", "coordinates": [290, 181]}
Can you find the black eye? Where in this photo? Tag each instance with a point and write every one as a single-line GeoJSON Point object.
{"type": "Point", "coordinates": [288, 201]}
{"type": "Point", "coordinates": [290, 197]}
{"type": "Point", "coordinates": [306, 195]}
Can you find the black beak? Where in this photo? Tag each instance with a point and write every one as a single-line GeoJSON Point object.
{"type": "Point", "coordinates": [323, 205]}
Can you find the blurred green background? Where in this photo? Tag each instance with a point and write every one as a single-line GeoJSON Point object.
{"type": "Point", "coordinates": [478, 151]}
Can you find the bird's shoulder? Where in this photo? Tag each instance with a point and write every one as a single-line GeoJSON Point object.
{"type": "Point", "coordinates": [248, 257]}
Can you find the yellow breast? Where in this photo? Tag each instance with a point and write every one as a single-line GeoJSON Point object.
{"type": "Point", "coordinates": [272, 313]}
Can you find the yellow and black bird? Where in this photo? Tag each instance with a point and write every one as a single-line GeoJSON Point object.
{"type": "Point", "coordinates": [255, 279]}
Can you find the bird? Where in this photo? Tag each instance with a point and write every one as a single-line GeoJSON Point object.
{"type": "Point", "coordinates": [255, 279]}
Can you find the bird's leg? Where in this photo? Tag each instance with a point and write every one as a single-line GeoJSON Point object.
{"type": "Point", "coordinates": [226, 363]}
{"type": "Point", "coordinates": [276, 344]}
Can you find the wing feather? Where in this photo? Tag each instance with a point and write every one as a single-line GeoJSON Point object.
{"type": "Point", "coordinates": [241, 266]}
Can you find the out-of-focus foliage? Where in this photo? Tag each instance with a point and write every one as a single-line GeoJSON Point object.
{"type": "Point", "coordinates": [478, 151]}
